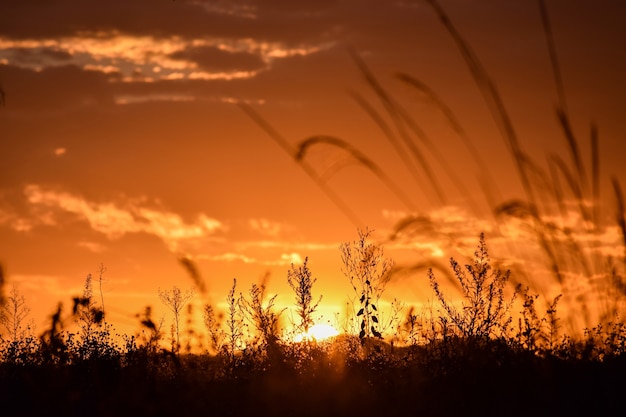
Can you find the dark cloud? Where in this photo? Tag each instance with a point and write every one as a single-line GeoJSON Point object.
{"type": "Point", "coordinates": [193, 19]}
{"type": "Point", "coordinates": [37, 57]}
{"type": "Point", "coordinates": [290, 7]}
{"type": "Point", "coordinates": [214, 59]}
{"type": "Point", "coordinates": [56, 54]}
{"type": "Point", "coordinates": [256, 8]}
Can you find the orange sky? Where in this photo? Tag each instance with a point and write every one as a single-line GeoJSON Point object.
{"type": "Point", "coordinates": [121, 143]}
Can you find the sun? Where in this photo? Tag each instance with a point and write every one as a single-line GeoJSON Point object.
{"type": "Point", "coordinates": [317, 332]}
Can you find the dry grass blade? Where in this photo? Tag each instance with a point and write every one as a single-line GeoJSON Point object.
{"type": "Point", "coordinates": [399, 120]}
{"type": "Point", "coordinates": [545, 234]}
{"type": "Point", "coordinates": [441, 105]}
{"type": "Point", "coordinates": [447, 169]}
{"type": "Point", "coordinates": [384, 127]}
{"type": "Point", "coordinates": [569, 178]}
{"type": "Point", "coordinates": [573, 185]}
{"type": "Point", "coordinates": [402, 118]}
{"type": "Point", "coordinates": [398, 272]}
{"type": "Point", "coordinates": [452, 120]}
{"type": "Point", "coordinates": [538, 179]}
{"type": "Point", "coordinates": [572, 144]}
{"type": "Point", "coordinates": [306, 144]}
{"type": "Point", "coordinates": [595, 174]}
{"type": "Point", "coordinates": [412, 224]}
{"type": "Point", "coordinates": [525, 211]}
{"type": "Point", "coordinates": [562, 113]}
{"type": "Point", "coordinates": [556, 68]}
{"type": "Point", "coordinates": [576, 252]}
{"type": "Point", "coordinates": [194, 273]}
{"type": "Point", "coordinates": [557, 189]}
{"type": "Point", "coordinates": [490, 94]}
{"type": "Point", "coordinates": [343, 207]}
{"type": "Point", "coordinates": [335, 167]}
{"type": "Point", "coordinates": [620, 215]}
{"type": "Point", "coordinates": [454, 123]}
{"type": "Point", "coordinates": [2, 285]}
{"type": "Point", "coordinates": [514, 208]}
{"type": "Point", "coordinates": [263, 124]}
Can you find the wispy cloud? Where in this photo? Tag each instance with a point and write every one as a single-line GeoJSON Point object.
{"type": "Point", "coordinates": [203, 237]}
{"type": "Point", "coordinates": [290, 244]}
{"type": "Point", "coordinates": [268, 228]}
{"type": "Point", "coordinates": [94, 247]}
{"type": "Point", "coordinates": [50, 285]}
{"type": "Point", "coordinates": [136, 99]}
{"type": "Point", "coordinates": [135, 58]}
{"type": "Point", "coordinates": [22, 223]}
{"type": "Point", "coordinates": [114, 221]}
{"type": "Point", "coordinates": [284, 259]}
{"type": "Point", "coordinates": [229, 8]}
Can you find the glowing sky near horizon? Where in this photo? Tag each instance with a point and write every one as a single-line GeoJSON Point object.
{"type": "Point", "coordinates": [121, 144]}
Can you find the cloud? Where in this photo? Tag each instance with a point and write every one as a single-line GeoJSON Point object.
{"type": "Point", "coordinates": [148, 58]}
{"type": "Point", "coordinates": [291, 258]}
{"type": "Point", "coordinates": [284, 259]}
{"type": "Point", "coordinates": [114, 222]}
{"type": "Point", "coordinates": [291, 245]}
{"type": "Point", "coordinates": [92, 246]}
{"type": "Point", "coordinates": [202, 237]}
{"type": "Point", "coordinates": [181, 46]}
{"type": "Point", "coordinates": [212, 58]}
{"type": "Point", "coordinates": [35, 56]}
{"type": "Point", "coordinates": [229, 257]}
{"type": "Point", "coordinates": [229, 8]}
{"type": "Point", "coordinates": [268, 227]}
{"type": "Point", "coordinates": [136, 99]}
{"type": "Point", "coordinates": [21, 223]}
{"type": "Point", "coordinates": [44, 284]}
{"type": "Point", "coordinates": [104, 218]}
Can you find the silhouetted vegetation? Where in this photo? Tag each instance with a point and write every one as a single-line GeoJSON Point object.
{"type": "Point", "coordinates": [459, 356]}
{"type": "Point", "coordinates": [368, 272]}
{"type": "Point", "coordinates": [301, 282]}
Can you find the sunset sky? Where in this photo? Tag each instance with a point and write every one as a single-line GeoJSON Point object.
{"type": "Point", "coordinates": [121, 142]}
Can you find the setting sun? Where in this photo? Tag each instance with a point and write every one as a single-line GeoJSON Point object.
{"type": "Point", "coordinates": [317, 332]}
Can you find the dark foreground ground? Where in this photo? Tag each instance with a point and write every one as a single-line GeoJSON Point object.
{"type": "Point", "coordinates": [320, 383]}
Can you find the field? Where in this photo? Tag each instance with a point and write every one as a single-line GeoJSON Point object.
{"type": "Point", "coordinates": [493, 381]}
